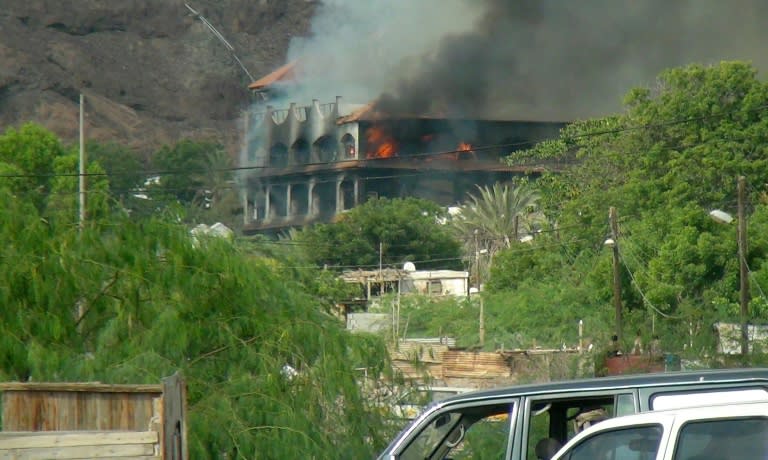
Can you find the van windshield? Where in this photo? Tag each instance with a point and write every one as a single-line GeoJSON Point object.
{"type": "Point", "coordinates": [465, 433]}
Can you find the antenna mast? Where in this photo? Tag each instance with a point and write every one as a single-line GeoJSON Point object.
{"type": "Point", "coordinates": [221, 39]}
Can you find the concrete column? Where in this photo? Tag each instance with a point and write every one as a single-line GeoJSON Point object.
{"type": "Point", "coordinates": [293, 133]}
{"type": "Point", "coordinates": [339, 195]}
{"type": "Point", "coordinates": [246, 210]}
{"type": "Point", "coordinates": [311, 207]}
{"type": "Point", "coordinates": [267, 203]}
{"type": "Point", "coordinates": [337, 110]}
{"type": "Point", "coordinates": [288, 201]}
{"type": "Point", "coordinates": [357, 190]}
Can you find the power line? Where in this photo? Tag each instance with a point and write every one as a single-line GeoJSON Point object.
{"type": "Point", "coordinates": [640, 291]}
{"type": "Point", "coordinates": [419, 155]}
{"type": "Point", "coordinates": [221, 38]}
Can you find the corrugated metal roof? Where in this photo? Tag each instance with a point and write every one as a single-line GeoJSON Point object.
{"type": "Point", "coordinates": [474, 364]}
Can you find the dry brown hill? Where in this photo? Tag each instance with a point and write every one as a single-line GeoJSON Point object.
{"type": "Point", "coordinates": [151, 72]}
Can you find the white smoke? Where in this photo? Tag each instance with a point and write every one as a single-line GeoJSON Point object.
{"type": "Point", "coordinates": [358, 48]}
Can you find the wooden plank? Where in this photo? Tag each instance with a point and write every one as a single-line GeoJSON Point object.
{"type": "Point", "coordinates": [79, 452]}
{"type": "Point", "coordinates": [174, 418]}
{"type": "Point", "coordinates": [76, 386]}
{"type": "Point", "coordinates": [23, 440]}
{"type": "Point", "coordinates": [61, 410]}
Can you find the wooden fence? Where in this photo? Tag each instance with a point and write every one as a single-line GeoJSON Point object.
{"type": "Point", "coordinates": [93, 421]}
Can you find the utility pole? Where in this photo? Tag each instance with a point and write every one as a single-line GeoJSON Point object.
{"type": "Point", "coordinates": [612, 216]}
{"type": "Point", "coordinates": [478, 278]}
{"type": "Point", "coordinates": [743, 269]}
{"type": "Point", "coordinates": [481, 319]}
{"type": "Point", "coordinates": [83, 169]}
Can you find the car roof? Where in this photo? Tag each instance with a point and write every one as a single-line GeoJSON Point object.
{"type": "Point", "coordinates": [618, 382]}
{"type": "Point", "coordinates": [681, 415]}
{"type": "Point", "coordinates": [705, 411]}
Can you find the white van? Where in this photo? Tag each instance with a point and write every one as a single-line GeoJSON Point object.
{"type": "Point", "coordinates": [719, 432]}
{"type": "Point", "coordinates": [509, 423]}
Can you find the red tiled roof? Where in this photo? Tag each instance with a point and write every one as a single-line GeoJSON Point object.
{"type": "Point", "coordinates": [283, 73]}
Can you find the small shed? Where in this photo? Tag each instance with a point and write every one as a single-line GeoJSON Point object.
{"type": "Point", "coordinates": [426, 282]}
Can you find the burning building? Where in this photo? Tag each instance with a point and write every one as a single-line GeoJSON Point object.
{"type": "Point", "coordinates": [307, 164]}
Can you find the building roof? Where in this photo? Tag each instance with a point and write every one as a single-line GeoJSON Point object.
{"type": "Point", "coordinates": [281, 74]}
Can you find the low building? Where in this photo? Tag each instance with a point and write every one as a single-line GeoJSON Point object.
{"type": "Point", "coordinates": [375, 283]}
{"type": "Point", "coordinates": [729, 337]}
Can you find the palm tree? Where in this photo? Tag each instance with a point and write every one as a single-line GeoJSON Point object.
{"type": "Point", "coordinates": [496, 218]}
{"type": "Point", "coordinates": [216, 196]}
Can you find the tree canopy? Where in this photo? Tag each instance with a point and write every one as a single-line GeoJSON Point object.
{"type": "Point", "coordinates": [672, 156]}
{"type": "Point", "coordinates": [390, 231]}
{"type": "Point", "coordinates": [124, 300]}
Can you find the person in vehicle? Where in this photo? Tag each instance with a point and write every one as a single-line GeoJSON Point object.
{"type": "Point", "coordinates": [547, 448]}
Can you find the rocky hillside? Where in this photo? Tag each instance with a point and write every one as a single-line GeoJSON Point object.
{"type": "Point", "coordinates": [151, 71]}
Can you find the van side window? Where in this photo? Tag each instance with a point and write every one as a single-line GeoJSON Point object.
{"type": "Point", "coordinates": [723, 439]}
{"type": "Point", "coordinates": [692, 398]}
{"type": "Point", "coordinates": [625, 404]}
{"type": "Point", "coordinates": [635, 443]}
{"type": "Point", "coordinates": [553, 422]}
{"type": "Point", "coordinates": [477, 432]}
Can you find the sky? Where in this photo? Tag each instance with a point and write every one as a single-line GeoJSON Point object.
{"type": "Point", "coordinates": [554, 60]}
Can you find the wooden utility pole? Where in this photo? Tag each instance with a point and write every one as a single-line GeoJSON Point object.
{"type": "Point", "coordinates": [481, 319]}
{"type": "Point", "coordinates": [478, 278]}
{"type": "Point", "coordinates": [743, 269]}
{"type": "Point", "coordinates": [612, 216]}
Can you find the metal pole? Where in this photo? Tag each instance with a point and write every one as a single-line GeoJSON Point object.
{"type": "Point", "coordinates": [83, 169]}
{"type": "Point", "coordinates": [743, 269]}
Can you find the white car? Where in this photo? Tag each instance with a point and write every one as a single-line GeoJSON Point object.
{"type": "Point", "coordinates": [712, 432]}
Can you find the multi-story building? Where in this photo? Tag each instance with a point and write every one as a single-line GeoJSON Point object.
{"type": "Point", "coordinates": [306, 164]}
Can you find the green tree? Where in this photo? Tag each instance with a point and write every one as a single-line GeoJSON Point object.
{"type": "Point", "coordinates": [27, 156]}
{"type": "Point", "coordinates": [183, 168]}
{"type": "Point", "coordinates": [123, 166]}
{"type": "Point", "coordinates": [198, 175]}
{"type": "Point", "coordinates": [673, 155]}
{"type": "Point", "coordinates": [133, 301]}
{"type": "Point", "coordinates": [63, 204]}
{"type": "Point", "coordinates": [393, 230]}
{"type": "Point", "coordinates": [292, 261]}
{"type": "Point", "coordinates": [218, 200]}
{"type": "Point", "coordinates": [498, 215]}
{"type": "Point", "coordinates": [495, 219]}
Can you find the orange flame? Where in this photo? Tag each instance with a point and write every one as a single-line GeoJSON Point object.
{"type": "Point", "coordinates": [380, 143]}
{"type": "Point", "coordinates": [464, 151]}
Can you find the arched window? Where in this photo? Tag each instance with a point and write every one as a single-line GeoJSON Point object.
{"type": "Point", "coordinates": [278, 156]}
{"type": "Point", "coordinates": [325, 149]}
{"type": "Point", "coordinates": [348, 144]}
{"type": "Point", "coordinates": [300, 150]}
